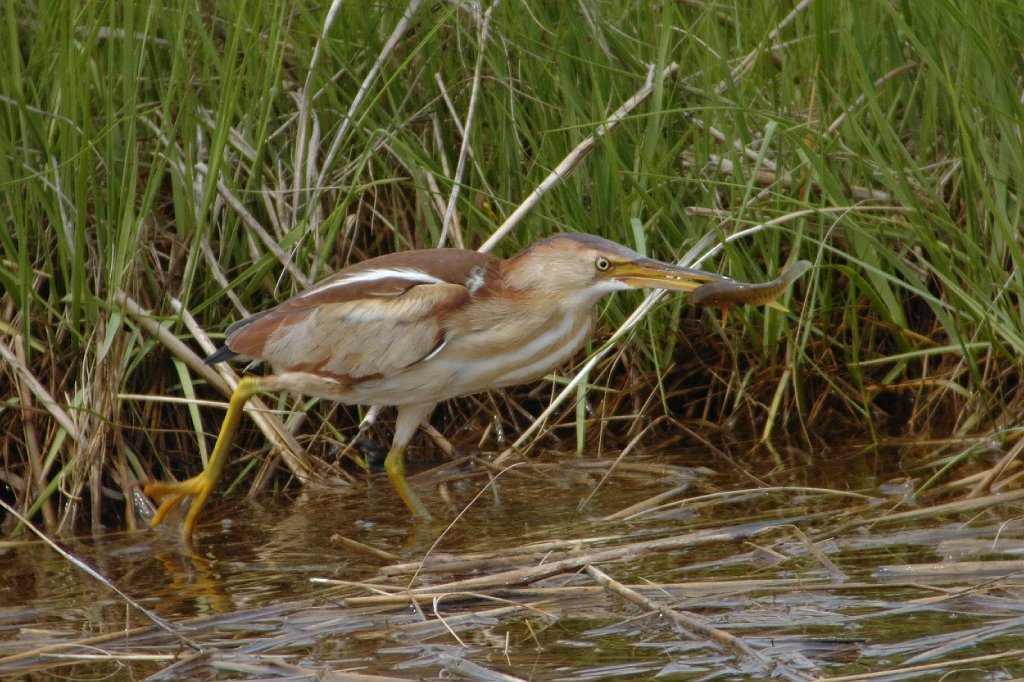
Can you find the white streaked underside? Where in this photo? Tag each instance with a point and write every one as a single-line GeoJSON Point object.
{"type": "Point", "coordinates": [517, 365]}
{"type": "Point", "coordinates": [376, 275]}
{"type": "Point", "coordinates": [446, 373]}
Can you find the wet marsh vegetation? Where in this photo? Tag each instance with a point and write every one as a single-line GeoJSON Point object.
{"type": "Point", "coordinates": [580, 569]}
{"type": "Point", "coordinates": [828, 492]}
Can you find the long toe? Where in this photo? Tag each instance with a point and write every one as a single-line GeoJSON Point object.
{"type": "Point", "coordinates": [173, 493]}
{"type": "Point", "coordinates": [192, 486]}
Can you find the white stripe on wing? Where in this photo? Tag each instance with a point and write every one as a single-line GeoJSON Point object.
{"type": "Point", "coordinates": [376, 275]}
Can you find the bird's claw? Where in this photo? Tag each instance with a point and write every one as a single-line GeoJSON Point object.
{"type": "Point", "coordinates": [174, 493]}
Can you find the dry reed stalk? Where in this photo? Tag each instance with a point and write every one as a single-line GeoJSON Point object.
{"type": "Point", "coordinates": [695, 626]}
{"type": "Point", "coordinates": [648, 504]}
{"type": "Point", "coordinates": [471, 560]}
{"type": "Point", "coordinates": [577, 560]}
{"type": "Point", "coordinates": [362, 548]}
{"type": "Point", "coordinates": [474, 670]}
{"type": "Point", "coordinates": [857, 103]}
{"type": "Point", "coordinates": [375, 588]}
{"type": "Point", "coordinates": [970, 638]}
{"type": "Point", "coordinates": [1010, 481]}
{"type": "Point", "coordinates": [442, 443]}
{"type": "Point", "coordinates": [446, 98]}
{"type": "Point", "coordinates": [87, 642]}
{"type": "Point", "coordinates": [425, 629]}
{"type": "Point", "coordinates": [996, 568]}
{"type": "Point", "coordinates": [834, 571]}
{"type": "Point", "coordinates": [177, 164]}
{"type": "Point", "coordinates": [254, 225]}
{"type": "Point", "coordinates": [215, 270]}
{"type": "Point", "coordinates": [115, 657]}
{"type": "Point", "coordinates": [549, 595]}
{"type": "Point", "coordinates": [970, 480]}
{"type": "Point", "coordinates": [37, 470]}
{"type": "Point", "coordinates": [498, 560]}
{"type": "Point", "coordinates": [433, 189]}
{"type": "Point", "coordinates": [42, 395]}
{"type": "Point", "coordinates": [652, 470]}
{"type": "Point", "coordinates": [913, 670]}
{"type": "Point", "coordinates": [766, 177]}
{"type": "Point", "coordinates": [574, 157]}
{"type": "Point", "coordinates": [712, 499]}
{"type": "Point", "coordinates": [695, 588]}
{"type": "Point", "coordinates": [748, 61]}
{"type": "Point", "coordinates": [389, 46]}
{"type": "Point", "coordinates": [995, 471]}
{"type": "Point", "coordinates": [343, 676]}
{"type": "Point", "coordinates": [460, 167]}
{"type": "Point", "coordinates": [958, 506]}
{"type": "Point", "coordinates": [302, 180]}
{"type": "Point", "coordinates": [281, 439]}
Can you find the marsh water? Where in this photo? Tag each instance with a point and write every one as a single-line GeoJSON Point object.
{"type": "Point", "coordinates": [799, 572]}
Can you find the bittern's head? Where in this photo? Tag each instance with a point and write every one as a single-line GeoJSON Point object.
{"type": "Point", "coordinates": [578, 269]}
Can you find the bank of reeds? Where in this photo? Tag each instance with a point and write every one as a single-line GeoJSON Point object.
{"type": "Point", "coordinates": [166, 168]}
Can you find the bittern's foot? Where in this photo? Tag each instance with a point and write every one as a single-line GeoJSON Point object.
{"type": "Point", "coordinates": [174, 493]}
{"type": "Point", "coordinates": [200, 487]}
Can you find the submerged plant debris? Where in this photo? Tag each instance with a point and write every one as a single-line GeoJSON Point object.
{"type": "Point", "coordinates": [575, 569]}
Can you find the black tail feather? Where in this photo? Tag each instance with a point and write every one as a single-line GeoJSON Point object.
{"type": "Point", "coordinates": [220, 355]}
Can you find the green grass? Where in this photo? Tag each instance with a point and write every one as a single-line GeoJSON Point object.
{"type": "Point", "coordinates": [143, 144]}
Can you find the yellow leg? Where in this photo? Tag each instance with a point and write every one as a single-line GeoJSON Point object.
{"type": "Point", "coordinates": [409, 419]}
{"type": "Point", "coordinates": [202, 486]}
{"type": "Point", "coordinates": [394, 465]}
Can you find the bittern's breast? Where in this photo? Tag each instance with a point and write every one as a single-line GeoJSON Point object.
{"type": "Point", "coordinates": [520, 350]}
{"type": "Point", "coordinates": [486, 352]}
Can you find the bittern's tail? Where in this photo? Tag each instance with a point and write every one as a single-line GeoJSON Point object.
{"type": "Point", "coordinates": [220, 355]}
{"type": "Point", "coordinates": [224, 353]}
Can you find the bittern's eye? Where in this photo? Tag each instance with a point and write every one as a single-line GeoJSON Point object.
{"type": "Point", "coordinates": [602, 264]}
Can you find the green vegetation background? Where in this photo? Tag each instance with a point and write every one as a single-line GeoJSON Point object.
{"type": "Point", "coordinates": [205, 159]}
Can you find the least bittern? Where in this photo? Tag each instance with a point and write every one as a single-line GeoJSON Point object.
{"type": "Point", "coordinates": [412, 329]}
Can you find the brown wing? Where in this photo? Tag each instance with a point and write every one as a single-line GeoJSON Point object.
{"type": "Point", "coordinates": [368, 321]}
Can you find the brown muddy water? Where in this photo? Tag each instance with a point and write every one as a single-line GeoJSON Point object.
{"type": "Point", "coordinates": [665, 572]}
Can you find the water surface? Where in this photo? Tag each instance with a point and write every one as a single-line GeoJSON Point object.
{"type": "Point", "coordinates": [819, 571]}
